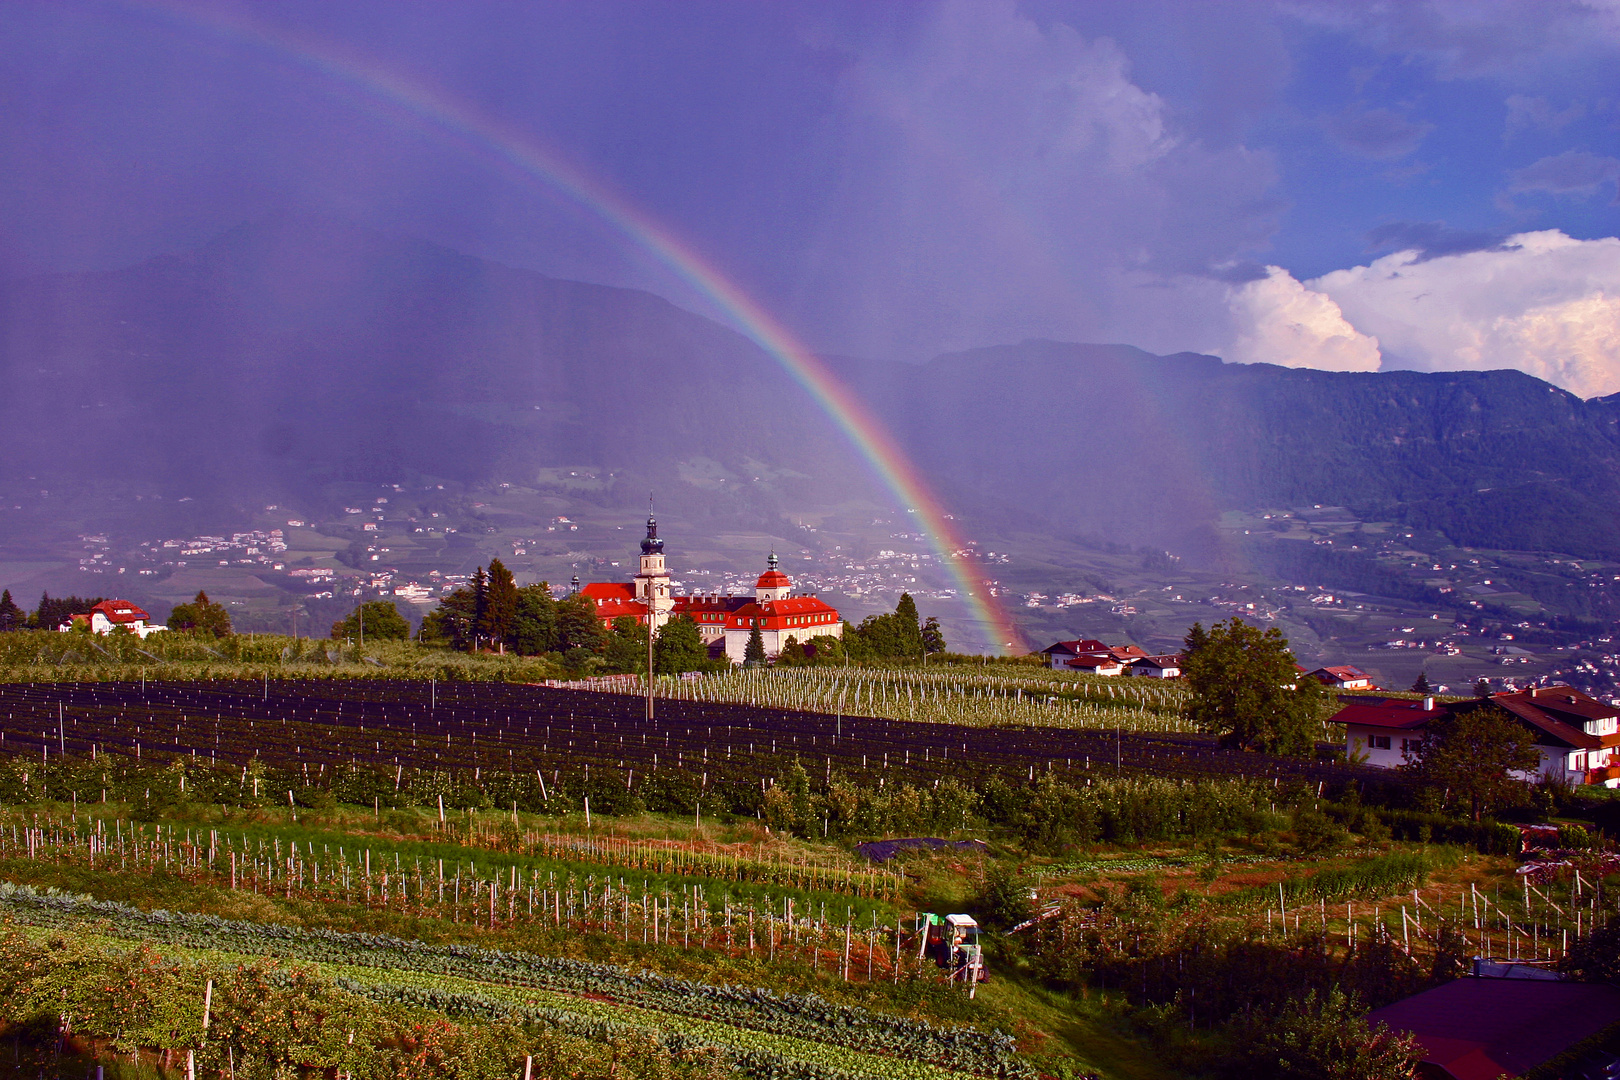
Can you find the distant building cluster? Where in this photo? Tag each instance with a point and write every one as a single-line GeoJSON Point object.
{"type": "Point", "coordinates": [725, 622]}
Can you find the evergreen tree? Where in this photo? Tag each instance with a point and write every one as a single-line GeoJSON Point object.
{"type": "Point", "coordinates": [12, 617]}
{"type": "Point", "coordinates": [754, 651]}
{"type": "Point", "coordinates": [679, 647]}
{"type": "Point", "coordinates": [52, 613]}
{"type": "Point", "coordinates": [933, 637]}
{"type": "Point", "coordinates": [380, 618]}
{"type": "Point", "coordinates": [452, 622]}
{"type": "Point", "coordinates": [480, 603]}
{"type": "Point", "coordinates": [1420, 685]}
{"type": "Point", "coordinates": [1482, 689]}
{"type": "Point", "coordinates": [1245, 689]}
{"type": "Point", "coordinates": [908, 627]}
{"type": "Point", "coordinates": [202, 615]}
{"type": "Point", "coordinates": [499, 614]}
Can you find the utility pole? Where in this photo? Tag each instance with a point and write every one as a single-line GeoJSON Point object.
{"type": "Point", "coordinates": [649, 657]}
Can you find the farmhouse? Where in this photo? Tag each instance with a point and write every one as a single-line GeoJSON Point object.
{"type": "Point", "coordinates": [1060, 653]}
{"type": "Point", "coordinates": [1095, 664]}
{"type": "Point", "coordinates": [113, 614]}
{"type": "Point", "coordinates": [1575, 735]}
{"type": "Point", "coordinates": [1167, 666]}
{"type": "Point", "coordinates": [1344, 678]}
{"type": "Point", "coordinates": [724, 622]}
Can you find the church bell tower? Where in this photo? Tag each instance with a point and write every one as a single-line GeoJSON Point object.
{"type": "Point", "coordinates": [652, 580]}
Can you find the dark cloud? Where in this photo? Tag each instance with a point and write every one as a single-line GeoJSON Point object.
{"type": "Point", "coordinates": [1380, 133]}
{"type": "Point", "coordinates": [1574, 172]}
{"type": "Point", "coordinates": [1432, 239]}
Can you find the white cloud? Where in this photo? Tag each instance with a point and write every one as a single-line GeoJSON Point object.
{"type": "Point", "coordinates": [1280, 321]}
{"type": "Point", "coordinates": [1543, 303]}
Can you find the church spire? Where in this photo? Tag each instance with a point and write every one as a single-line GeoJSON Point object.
{"type": "Point", "coordinates": [652, 545]}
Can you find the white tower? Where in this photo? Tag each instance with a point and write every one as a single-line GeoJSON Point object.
{"type": "Point", "coordinates": [652, 580]}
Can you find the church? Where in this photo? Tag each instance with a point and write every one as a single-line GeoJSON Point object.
{"type": "Point", "coordinates": [723, 621]}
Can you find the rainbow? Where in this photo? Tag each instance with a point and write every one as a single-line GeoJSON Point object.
{"type": "Point", "coordinates": [518, 151]}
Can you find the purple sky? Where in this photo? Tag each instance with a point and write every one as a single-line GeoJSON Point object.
{"type": "Point", "coordinates": [1351, 185]}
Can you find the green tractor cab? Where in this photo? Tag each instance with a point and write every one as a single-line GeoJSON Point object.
{"type": "Point", "coordinates": [952, 942]}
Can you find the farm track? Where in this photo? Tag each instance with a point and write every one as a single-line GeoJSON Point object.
{"type": "Point", "coordinates": [316, 726]}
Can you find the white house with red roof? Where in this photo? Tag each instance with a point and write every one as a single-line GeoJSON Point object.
{"type": "Point", "coordinates": [1059, 653]}
{"type": "Point", "coordinates": [1344, 677]}
{"type": "Point", "coordinates": [113, 614]}
{"type": "Point", "coordinates": [723, 622]}
{"type": "Point", "coordinates": [1576, 736]}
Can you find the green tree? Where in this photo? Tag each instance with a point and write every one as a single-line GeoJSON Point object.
{"type": "Point", "coordinates": [1472, 755]}
{"type": "Point", "coordinates": [452, 623]}
{"type": "Point", "coordinates": [933, 636]}
{"type": "Point", "coordinates": [1322, 1037]}
{"type": "Point", "coordinates": [792, 654]}
{"type": "Point", "coordinates": [1482, 689]}
{"type": "Point", "coordinates": [754, 651]}
{"type": "Point", "coordinates": [577, 625]}
{"type": "Point", "coordinates": [203, 615]}
{"type": "Point", "coordinates": [534, 626]}
{"type": "Point", "coordinates": [679, 647]}
{"type": "Point", "coordinates": [12, 617]}
{"type": "Point", "coordinates": [908, 627]}
{"type": "Point", "coordinates": [625, 648]}
{"type": "Point", "coordinates": [480, 605]}
{"type": "Point", "coordinates": [1244, 687]}
{"type": "Point", "coordinates": [1420, 685]}
{"type": "Point", "coordinates": [380, 619]}
{"type": "Point", "coordinates": [496, 620]}
{"type": "Point", "coordinates": [1595, 955]}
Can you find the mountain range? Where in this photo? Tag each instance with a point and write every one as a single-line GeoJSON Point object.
{"type": "Point", "coordinates": [300, 352]}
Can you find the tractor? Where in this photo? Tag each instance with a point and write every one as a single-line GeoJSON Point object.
{"type": "Point", "coordinates": [952, 942]}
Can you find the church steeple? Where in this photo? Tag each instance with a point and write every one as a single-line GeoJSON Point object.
{"type": "Point", "coordinates": [652, 581]}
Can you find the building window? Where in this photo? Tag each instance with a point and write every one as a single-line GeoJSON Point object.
{"type": "Point", "coordinates": [1577, 762]}
{"type": "Point", "coordinates": [1378, 742]}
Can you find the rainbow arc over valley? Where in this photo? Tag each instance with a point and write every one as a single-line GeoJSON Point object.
{"type": "Point", "coordinates": [485, 137]}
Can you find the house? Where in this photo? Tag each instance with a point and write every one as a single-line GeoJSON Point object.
{"type": "Point", "coordinates": [1344, 678]}
{"type": "Point", "coordinates": [1576, 736]}
{"type": "Point", "coordinates": [1095, 664]}
{"type": "Point", "coordinates": [111, 614]}
{"type": "Point", "coordinates": [1060, 653]}
{"type": "Point", "coordinates": [1167, 666]}
{"type": "Point", "coordinates": [1127, 654]}
{"type": "Point", "coordinates": [725, 623]}
{"type": "Point", "coordinates": [1382, 730]}
{"type": "Point", "coordinates": [1482, 1028]}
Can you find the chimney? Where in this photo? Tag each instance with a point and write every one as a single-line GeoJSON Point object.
{"type": "Point", "coordinates": [1532, 691]}
{"type": "Point", "coordinates": [1428, 704]}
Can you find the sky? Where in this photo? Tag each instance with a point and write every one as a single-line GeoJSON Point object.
{"type": "Point", "coordinates": [1355, 185]}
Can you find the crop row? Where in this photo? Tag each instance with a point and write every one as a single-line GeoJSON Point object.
{"type": "Point", "coordinates": [545, 737]}
{"type": "Point", "coordinates": [797, 1016]}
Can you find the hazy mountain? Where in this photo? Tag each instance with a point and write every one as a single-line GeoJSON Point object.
{"type": "Point", "coordinates": [1114, 441]}
{"type": "Point", "coordinates": [301, 350]}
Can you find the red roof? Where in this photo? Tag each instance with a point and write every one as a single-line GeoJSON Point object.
{"type": "Point", "coordinates": [794, 613]}
{"type": "Point", "coordinates": [1559, 712]}
{"type": "Point", "coordinates": [120, 611]}
{"type": "Point", "coordinates": [1093, 661]}
{"type": "Point", "coordinates": [1076, 647]}
{"type": "Point", "coordinates": [773, 579]}
{"type": "Point", "coordinates": [609, 610]}
{"type": "Point", "coordinates": [1480, 1029]}
{"type": "Point", "coordinates": [1342, 673]}
{"type": "Point", "coordinates": [1398, 713]}
{"type": "Point", "coordinates": [609, 590]}
{"type": "Point", "coordinates": [1164, 660]}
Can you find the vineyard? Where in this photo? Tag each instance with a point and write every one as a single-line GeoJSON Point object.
{"type": "Point", "coordinates": [547, 743]}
